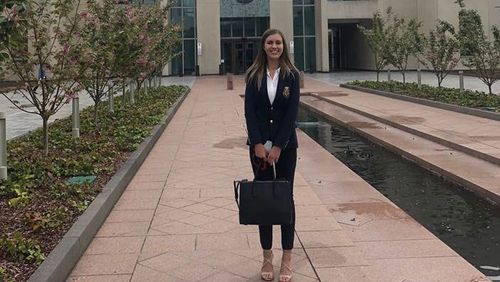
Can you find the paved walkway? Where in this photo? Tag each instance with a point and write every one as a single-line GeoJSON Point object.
{"type": "Point", "coordinates": [177, 220]}
{"type": "Point", "coordinates": [19, 122]}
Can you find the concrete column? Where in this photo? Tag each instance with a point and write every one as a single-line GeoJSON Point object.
{"type": "Point", "coordinates": [111, 99]}
{"type": "Point", "coordinates": [419, 77]}
{"type": "Point", "coordinates": [320, 10]}
{"type": "Point", "coordinates": [133, 89]}
{"type": "Point", "coordinates": [76, 117]}
{"type": "Point", "coordinates": [208, 25]}
{"type": "Point", "coordinates": [461, 80]}
{"type": "Point", "coordinates": [281, 17]}
{"type": "Point", "coordinates": [3, 146]}
{"type": "Point", "coordinates": [229, 81]}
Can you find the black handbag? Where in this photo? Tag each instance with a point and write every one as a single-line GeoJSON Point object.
{"type": "Point", "coordinates": [264, 202]}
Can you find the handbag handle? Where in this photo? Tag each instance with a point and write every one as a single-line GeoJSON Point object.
{"type": "Point", "coordinates": [257, 173]}
{"type": "Point", "coordinates": [236, 185]}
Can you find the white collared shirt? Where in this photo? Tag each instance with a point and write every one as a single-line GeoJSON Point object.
{"type": "Point", "coordinates": [272, 84]}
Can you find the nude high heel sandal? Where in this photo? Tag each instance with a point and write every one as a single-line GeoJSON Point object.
{"type": "Point", "coordinates": [267, 273]}
{"type": "Point", "coordinates": [286, 266]}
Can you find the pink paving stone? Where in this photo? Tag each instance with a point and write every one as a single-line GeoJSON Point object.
{"type": "Point", "coordinates": [145, 186]}
{"type": "Point", "coordinates": [312, 210]}
{"type": "Point", "coordinates": [197, 220]}
{"type": "Point", "coordinates": [222, 259]}
{"type": "Point", "coordinates": [176, 228]}
{"type": "Point", "coordinates": [373, 210]}
{"type": "Point", "coordinates": [163, 212]}
{"type": "Point", "coordinates": [157, 245]}
{"type": "Point", "coordinates": [424, 269]}
{"type": "Point", "coordinates": [145, 274]}
{"type": "Point", "coordinates": [162, 177]}
{"type": "Point", "coordinates": [220, 226]}
{"type": "Point", "coordinates": [336, 257]}
{"type": "Point", "coordinates": [139, 204]}
{"type": "Point", "coordinates": [220, 213]}
{"type": "Point", "coordinates": [317, 223]}
{"type": "Point", "coordinates": [388, 229]}
{"type": "Point", "coordinates": [221, 241]}
{"type": "Point", "coordinates": [130, 215]}
{"type": "Point", "coordinates": [225, 277]}
{"type": "Point", "coordinates": [164, 262]}
{"type": "Point", "coordinates": [105, 264]}
{"type": "Point", "coordinates": [345, 274]}
{"type": "Point", "coordinates": [324, 239]}
{"type": "Point", "coordinates": [405, 249]}
{"type": "Point", "coordinates": [198, 208]}
{"type": "Point", "coordinates": [115, 245]}
{"type": "Point", "coordinates": [120, 229]}
{"type": "Point", "coordinates": [100, 278]}
{"type": "Point", "coordinates": [141, 195]}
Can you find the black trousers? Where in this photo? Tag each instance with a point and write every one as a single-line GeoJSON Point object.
{"type": "Point", "coordinates": [285, 168]}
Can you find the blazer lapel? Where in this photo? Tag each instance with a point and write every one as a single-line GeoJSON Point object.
{"type": "Point", "coordinates": [263, 90]}
{"type": "Point", "coordinates": [279, 89]}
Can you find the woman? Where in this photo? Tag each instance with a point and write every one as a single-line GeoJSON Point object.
{"type": "Point", "coordinates": [271, 105]}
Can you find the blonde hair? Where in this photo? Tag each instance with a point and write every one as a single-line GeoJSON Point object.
{"type": "Point", "coordinates": [256, 71]}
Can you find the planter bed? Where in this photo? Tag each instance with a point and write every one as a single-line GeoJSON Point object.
{"type": "Point", "coordinates": [470, 99]}
{"type": "Point", "coordinates": [38, 206]}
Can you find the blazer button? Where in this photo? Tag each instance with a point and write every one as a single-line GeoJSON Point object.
{"type": "Point", "coordinates": [271, 121]}
{"type": "Point", "coordinates": [271, 108]}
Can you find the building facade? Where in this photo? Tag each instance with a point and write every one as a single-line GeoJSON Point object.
{"type": "Point", "coordinates": [223, 35]}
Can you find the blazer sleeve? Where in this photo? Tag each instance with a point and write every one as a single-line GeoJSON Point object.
{"type": "Point", "coordinates": [288, 122]}
{"type": "Point", "coordinates": [250, 114]}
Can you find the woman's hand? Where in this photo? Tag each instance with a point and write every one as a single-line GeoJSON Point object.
{"type": "Point", "coordinates": [274, 155]}
{"type": "Point", "coordinates": [260, 151]}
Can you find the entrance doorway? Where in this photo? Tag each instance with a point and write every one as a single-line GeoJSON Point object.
{"type": "Point", "coordinates": [238, 54]}
{"type": "Point", "coordinates": [334, 50]}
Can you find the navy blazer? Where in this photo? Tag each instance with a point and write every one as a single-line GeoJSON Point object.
{"type": "Point", "coordinates": [275, 122]}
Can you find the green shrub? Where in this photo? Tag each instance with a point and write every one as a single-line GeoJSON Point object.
{"type": "Point", "coordinates": [17, 247]}
{"type": "Point", "coordinates": [467, 98]}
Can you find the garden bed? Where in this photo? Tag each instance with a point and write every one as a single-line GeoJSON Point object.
{"type": "Point", "coordinates": [467, 98]}
{"type": "Point", "coordinates": [37, 206]}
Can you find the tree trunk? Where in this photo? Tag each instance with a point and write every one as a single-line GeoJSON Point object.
{"type": "Point", "coordinates": [124, 95]}
{"type": "Point", "coordinates": [404, 76]}
{"type": "Point", "coordinates": [489, 87]}
{"type": "Point", "coordinates": [378, 75]}
{"type": "Point", "coordinates": [96, 127]}
{"type": "Point", "coordinates": [45, 135]}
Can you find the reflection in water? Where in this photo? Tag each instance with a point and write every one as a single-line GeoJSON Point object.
{"type": "Point", "coordinates": [466, 223]}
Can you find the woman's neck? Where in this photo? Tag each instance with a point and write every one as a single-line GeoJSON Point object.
{"type": "Point", "coordinates": [272, 65]}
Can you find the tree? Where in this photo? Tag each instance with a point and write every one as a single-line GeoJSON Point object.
{"type": "Point", "coordinates": [9, 22]}
{"type": "Point", "coordinates": [49, 26]}
{"type": "Point", "coordinates": [375, 37]}
{"type": "Point", "coordinates": [441, 52]}
{"type": "Point", "coordinates": [163, 39]}
{"type": "Point", "coordinates": [97, 62]}
{"type": "Point", "coordinates": [403, 40]}
{"type": "Point", "coordinates": [150, 41]}
{"type": "Point", "coordinates": [477, 51]}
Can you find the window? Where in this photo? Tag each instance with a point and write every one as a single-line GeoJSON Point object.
{"type": "Point", "coordinates": [304, 31]}
{"type": "Point", "coordinates": [183, 13]}
{"type": "Point", "coordinates": [243, 27]}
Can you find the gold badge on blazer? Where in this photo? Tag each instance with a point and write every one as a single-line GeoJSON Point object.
{"type": "Point", "coordinates": [286, 92]}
